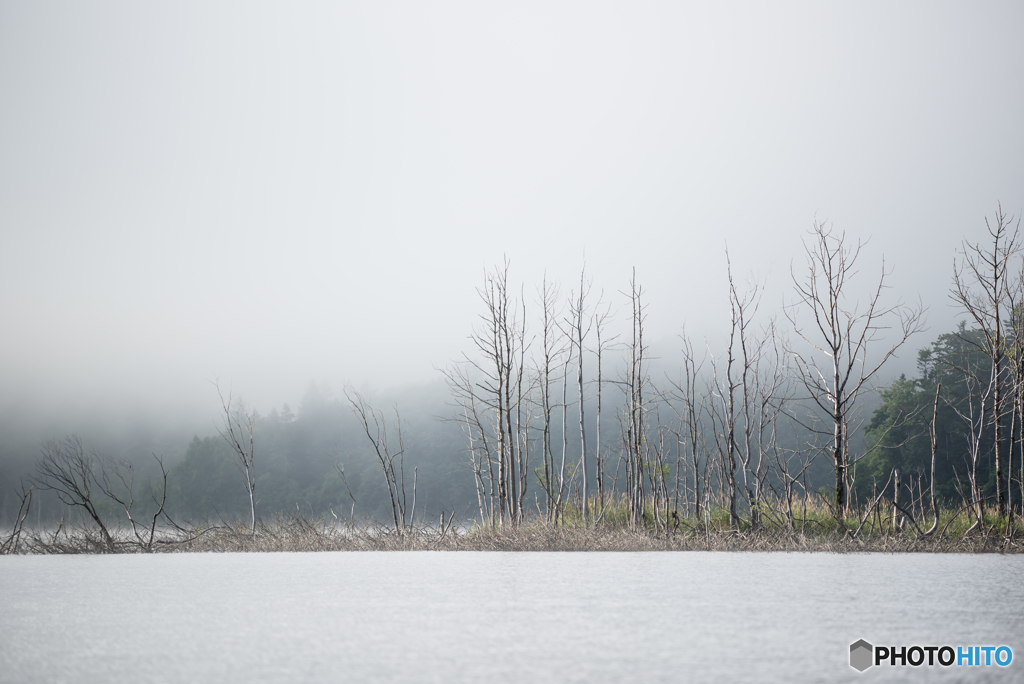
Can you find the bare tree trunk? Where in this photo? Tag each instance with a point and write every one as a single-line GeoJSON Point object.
{"type": "Point", "coordinates": [842, 335]}
{"type": "Point", "coordinates": [565, 443]}
{"type": "Point", "coordinates": [12, 543]}
{"type": "Point", "coordinates": [692, 407]}
{"type": "Point", "coordinates": [988, 270]}
{"type": "Point", "coordinates": [636, 409]}
{"type": "Point", "coordinates": [500, 341]}
{"type": "Point", "coordinates": [583, 448]}
{"type": "Point", "coordinates": [600, 320]}
{"type": "Point", "coordinates": [378, 437]}
{"type": "Point", "coordinates": [579, 325]}
{"type": "Point", "coordinates": [742, 309]}
{"type": "Point", "coordinates": [897, 518]}
{"type": "Point", "coordinates": [598, 463]}
{"type": "Point", "coordinates": [976, 422]}
{"type": "Point", "coordinates": [730, 427]}
{"type": "Point", "coordinates": [239, 428]}
{"type": "Point", "coordinates": [549, 351]}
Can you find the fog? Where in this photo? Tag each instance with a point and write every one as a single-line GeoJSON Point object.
{"type": "Point", "coordinates": [272, 194]}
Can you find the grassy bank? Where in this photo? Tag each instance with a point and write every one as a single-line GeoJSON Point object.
{"type": "Point", "coordinates": [811, 529]}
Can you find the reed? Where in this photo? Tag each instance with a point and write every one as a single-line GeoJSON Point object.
{"type": "Point", "coordinates": [812, 528]}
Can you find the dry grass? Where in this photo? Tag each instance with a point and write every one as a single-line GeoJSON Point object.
{"type": "Point", "coordinates": [296, 533]}
{"type": "Point", "coordinates": [540, 537]}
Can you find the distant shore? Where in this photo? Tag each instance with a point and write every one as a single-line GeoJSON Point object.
{"type": "Point", "coordinates": [298, 534]}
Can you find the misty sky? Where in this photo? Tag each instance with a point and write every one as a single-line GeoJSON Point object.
{"type": "Point", "coordinates": [274, 193]}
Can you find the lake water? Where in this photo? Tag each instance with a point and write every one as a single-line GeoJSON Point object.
{"type": "Point", "coordinates": [499, 617]}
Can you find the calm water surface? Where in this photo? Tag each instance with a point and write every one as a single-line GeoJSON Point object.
{"type": "Point", "coordinates": [498, 617]}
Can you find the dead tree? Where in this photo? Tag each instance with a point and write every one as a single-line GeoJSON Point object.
{"type": "Point", "coordinates": [732, 414]}
{"type": "Point", "coordinates": [69, 472]}
{"type": "Point", "coordinates": [636, 384]}
{"type": "Point", "coordinates": [494, 383]}
{"type": "Point", "coordinates": [897, 482]}
{"type": "Point", "coordinates": [238, 431]}
{"type": "Point", "coordinates": [981, 289]}
{"type": "Point", "coordinates": [560, 497]}
{"type": "Point", "coordinates": [600, 321]}
{"type": "Point", "coordinates": [377, 434]}
{"type": "Point", "coordinates": [124, 496]}
{"type": "Point", "coordinates": [579, 325]}
{"type": "Point", "coordinates": [551, 350]}
{"type": "Point", "coordinates": [471, 421]}
{"type": "Point", "coordinates": [842, 333]}
{"type": "Point", "coordinates": [769, 394]}
{"type": "Point", "coordinates": [722, 417]}
{"type": "Point", "coordinates": [934, 443]}
{"type": "Point", "coordinates": [1015, 358]}
{"type": "Point", "coordinates": [974, 414]}
{"type": "Point", "coordinates": [689, 403]}
{"type": "Point", "coordinates": [12, 544]}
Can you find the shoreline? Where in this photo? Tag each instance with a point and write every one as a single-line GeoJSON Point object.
{"type": "Point", "coordinates": [296, 534]}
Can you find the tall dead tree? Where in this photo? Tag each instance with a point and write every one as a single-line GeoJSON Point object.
{"type": "Point", "coordinates": [749, 388]}
{"type": "Point", "coordinates": [732, 414]}
{"type": "Point", "coordinates": [1015, 358]}
{"type": "Point", "coordinates": [722, 417]}
{"type": "Point", "coordinates": [491, 386]}
{"type": "Point", "coordinates": [934, 444]}
{"type": "Point", "coordinates": [550, 352]}
{"type": "Point", "coordinates": [376, 429]}
{"type": "Point", "coordinates": [842, 332]}
{"type": "Point", "coordinates": [973, 410]}
{"type": "Point", "coordinates": [603, 344]}
{"type": "Point", "coordinates": [635, 386]}
{"type": "Point", "coordinates": [689, 402]}
{"type": "Point", "coordinates": [980, 289]}
{"type": "Point", "coordinates": [239, 427]}
{"type": "Point", "coordinates": [767, 395]}
{"type": "Point", "coordinates": [579, 324]}
{"type": "Point", "coordinates": [472, 421]}
{"type": "Point", "coordinates": [560, 498]}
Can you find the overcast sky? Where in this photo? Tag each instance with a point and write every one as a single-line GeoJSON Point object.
{"type": "Point", "coordinates": [274, 193]}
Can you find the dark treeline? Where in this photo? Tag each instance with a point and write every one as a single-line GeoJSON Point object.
{"type": "Point", "coordinates": [949, 405]}
{"type": "Point", "coordinates": [558, 412]}
{"type": "Point", "coordinates": [299, 456]}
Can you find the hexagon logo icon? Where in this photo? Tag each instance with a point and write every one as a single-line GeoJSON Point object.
{"type": "Point", "coordinates": [861, 655]}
